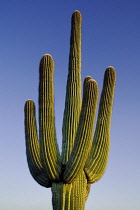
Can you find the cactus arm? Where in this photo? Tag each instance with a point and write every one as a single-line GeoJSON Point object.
{"type": "Point", "coordinates": [32, 146]}
{"type": "Point", "coordinates": [83, 141]}
{"type": "Point", "coordinates": [73, 89]}
{"type": "Point", "coordinates": [97, 161]}
{"type": "Point", "coordinates": [49, 151]}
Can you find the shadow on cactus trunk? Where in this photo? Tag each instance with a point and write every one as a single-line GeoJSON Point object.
{"type": "Point", "coordinates": [84, 151]}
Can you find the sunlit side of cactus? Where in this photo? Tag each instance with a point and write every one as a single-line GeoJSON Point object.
{"type": "Point", "coordinates": [84, 151]}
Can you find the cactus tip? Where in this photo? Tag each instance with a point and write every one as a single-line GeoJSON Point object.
{"type": "Point", "coordinates": [110, 68]}
{"type": "Point", "coordinates": [47, 55]}
{"type": "Point", "coordinates": [87, 78]}
{"type": "Point", "coordinates": [77, 13]}
{"type": "Point", "coordinates": [29, 101]}
{"type": "Point", "coordinates": [92, 81]}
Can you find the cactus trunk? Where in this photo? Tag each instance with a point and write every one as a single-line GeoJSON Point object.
{"type": "Point", "coordinates": [70, 196]}
{"type": "Point", "coordinates": [84, 152]}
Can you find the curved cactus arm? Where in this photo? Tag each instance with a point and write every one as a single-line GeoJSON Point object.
{"type": "Point", "coordinates": [49, 151]}
{"type": "Point", "coordinates": [32, 146]}
{"type": "Point", "coordinates": [83, 141]}
{"type": "Point", "coordinates": [73, 89]}
{"type": "Point", "coordinates": [97, 161]}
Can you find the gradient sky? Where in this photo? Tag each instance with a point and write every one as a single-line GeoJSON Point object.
{"type": "Point", "coordinates": [110, 37]}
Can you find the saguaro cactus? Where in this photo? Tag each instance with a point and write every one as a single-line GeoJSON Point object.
{"type": "Point", "coordinates": [84, 152]}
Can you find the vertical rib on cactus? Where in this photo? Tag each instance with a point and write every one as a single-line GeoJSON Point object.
{"type": "Point", "coordinates": [73, 89]}
{"type": "Point", "coordinates": [83, 160]}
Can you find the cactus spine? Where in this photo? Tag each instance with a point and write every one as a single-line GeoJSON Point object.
{"type": "Point", "coordinates": [83, 160]}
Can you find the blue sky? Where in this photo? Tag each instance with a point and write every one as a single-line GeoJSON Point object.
{"type": "Point", "coordinates": [110, 37]}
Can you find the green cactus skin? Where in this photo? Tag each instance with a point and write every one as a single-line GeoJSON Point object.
{"type": "Point", "coordinates": [83, 160]}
